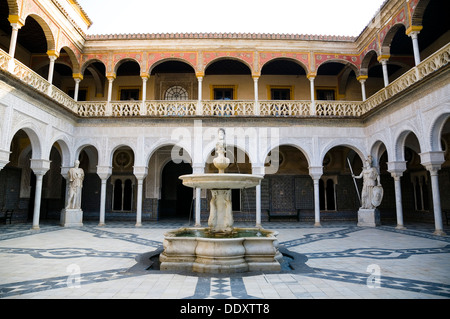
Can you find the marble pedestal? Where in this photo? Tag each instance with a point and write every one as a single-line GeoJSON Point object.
{"type": "Point", "coordinates": [368, 217]}
{"type": "Point", "coordinates": [71, 217]}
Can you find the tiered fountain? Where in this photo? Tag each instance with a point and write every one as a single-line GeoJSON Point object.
{"type": "Point", "coordinates": [220, 248]}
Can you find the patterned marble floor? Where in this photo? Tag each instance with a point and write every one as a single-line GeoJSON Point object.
{"type": "Point", "coordinates": [338, 260]}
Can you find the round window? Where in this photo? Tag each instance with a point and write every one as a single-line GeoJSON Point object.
{"type": "Point", "coordinates": [176, 93]}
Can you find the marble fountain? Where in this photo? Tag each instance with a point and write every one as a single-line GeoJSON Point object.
{"type": "Point", "coordinates": [220, 247]}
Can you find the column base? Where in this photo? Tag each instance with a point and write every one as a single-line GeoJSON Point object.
{"type": "Point", "coordinates": [317, 224]}
{"type": "Point", "coordinates": [400, 227]}
{"type": "Point", "coordinates": [439, 232]}
{"type": "Point", "coordinates": [368, 217]}
{"type": "Point", "coordinates": [72, 217]}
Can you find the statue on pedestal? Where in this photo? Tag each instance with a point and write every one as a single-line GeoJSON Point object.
{"type": "Point", "coordinates": [372, 191]}
{"type": "Point", "coordinates": [76, 177]}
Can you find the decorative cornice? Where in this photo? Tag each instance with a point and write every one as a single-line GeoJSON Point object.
{"type": "Point", "coordinates": [72, 21]}
{"type": "Point", "coordinates": [211, 35]}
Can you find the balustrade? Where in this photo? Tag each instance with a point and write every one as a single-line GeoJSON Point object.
{"type": "Point", "coordinates": [231, 108]}
{"type": "Point", "coordinates": [285, 108]}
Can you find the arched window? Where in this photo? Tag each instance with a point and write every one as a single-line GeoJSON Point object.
{"type": "Point", "coordinates": [123, 194]}
{"type": "Point", "coordinates": [176, 93]}
{"type": "Point", "coordinates": [327, 192]}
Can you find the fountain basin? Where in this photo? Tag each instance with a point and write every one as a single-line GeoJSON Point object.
{"type": "Point", "coordinates": [221, 181]}
{"type": "Point", "coordinates": [194, 249]}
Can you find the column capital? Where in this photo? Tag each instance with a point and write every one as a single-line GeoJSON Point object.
{"type": "Point", "coordinates": [383, 58]}
{"type": "Point", "coordinates": [315, 172]}
{"type": "Point", "coordinates": [145, 75]}
{"type": "Point", "coordinates": [52, 54]}
{"type": "Point", "coordinates": [4, 158]}
{"type": "Point", "coordinates": [65, 171]}
{"type": "Point", "coordinates": [77, 76]}
{"type": "Point", "coordinates": [140, 172]}
{"type": "Point", "coordinates": [39, 166]}
{"type": "Point", "coordinates": [311, 75]}
{"type": "Point", "coordinates": [16, 21]}
{"type": "Point", "coordinates": [198, 169]}
{"type": "Point", "coordinates": [396, 168]}
{"type": "Point", "coordinates": [104, 172]}
{"type": "Point", "coordinates": [259, 170]}
{"type": "Point", "coordinates": [362, 78]}
{"type": "Point", "coordinates": [432, 160]}
{"type": "Point", "coordinates": [256, 76]}
{"type": "Point", "coordinates": [414, 29]}
{"type": "Point", "coordinates": [110, 76]}
{"type": "Point", "coordinates": [199, 74]}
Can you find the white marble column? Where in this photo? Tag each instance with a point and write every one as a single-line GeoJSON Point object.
{"type": "Point", "coordinates": [316, 172]}
{"type": "Point", "coordinates": [140, 172]}
{"type": "Point", "coordinates": [52, 55]}
{"type": "Point", "coordinates": [198, 167]}
{"type": "Point", "coordinates": [39, 167]}
{"type": "Point", "coordinates": [396, 169]}
{"type": "Point", "coordinates": [110, 78]}
{"type": "Point", "coordinates": [362, 79]}
{"type": "Point", "coordinates": [255, 89]}
{"type": "Point", "coordinates": [415, 42]}
{"type": "Point", "coordinates": [13, 42]}
{"type": "Point", "coordinates": [311, 78]}
{"type": "Point", "coordinates": [436, 202]}
{"type": "Point", "coordinates": [383, 60]}
{"type": "Point", "coordinates": [432, 162]}
{"type": "Point", "coordinates": [16, 24]}
{"type": "Point", "coordinates": [198, 201]}
{"type": "Point", "coordinates": [144, 77]}
{"type": "Point", "coordinates": [258, 169]}
{"type": "Point", "coordinates": [104, 172]}
{"type": "Point", "coordinates": [258, 205]}
{"type": "Point", "coordinates": [199, 110]}
{"type": "Point", "coordinates": [77, 77]}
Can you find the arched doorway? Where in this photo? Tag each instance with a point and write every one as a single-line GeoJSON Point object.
{"type": "Point", "coordinates": [176, 199]}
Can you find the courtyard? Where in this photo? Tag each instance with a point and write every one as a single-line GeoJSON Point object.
{"type": "Point", "coordinates": [336, 261]}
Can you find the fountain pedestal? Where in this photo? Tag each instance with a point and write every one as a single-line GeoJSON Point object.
{"type": "Point", "coordinates": [190, 249]}
{"type": "Point", "coordinates": [220, 248]}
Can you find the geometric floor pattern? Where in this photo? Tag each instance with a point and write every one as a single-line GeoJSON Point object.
{"type": "Point", "coordinates": [337, 260]}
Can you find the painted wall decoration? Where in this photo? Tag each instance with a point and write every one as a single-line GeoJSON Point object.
{"type": "Point", "coordinates": [302, 57]}
{"type": "Point", "coordinates": [154, 57]}
{"type": "Point", "coordinates": [245, 56]}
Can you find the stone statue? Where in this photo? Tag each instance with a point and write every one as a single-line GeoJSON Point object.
{"type": "Point", "coordinates": [76, 177]}
{"type": "Point", "coordinates": [372, 191]}
{"type": "Point", "coordinates": [221, 215]}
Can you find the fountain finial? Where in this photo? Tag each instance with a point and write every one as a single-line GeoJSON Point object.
{"type": "Point", "coordinates": [221, 162]}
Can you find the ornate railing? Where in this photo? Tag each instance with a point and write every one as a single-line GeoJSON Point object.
{"type": "Point", "coordinates": [285, 108]}
{"type": "Point", "coordinates": [230, 108]}
{"type": "Point", "coordinates": [170, 108]}
{"type": "Point", "coordinates": [125, 108]}
{"type": "Point", "coordinates": [428, 66]}
{"type": "Point", "coordinates": [338, 108]}
{"type": "Point", "coordinates": [91, 109]}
